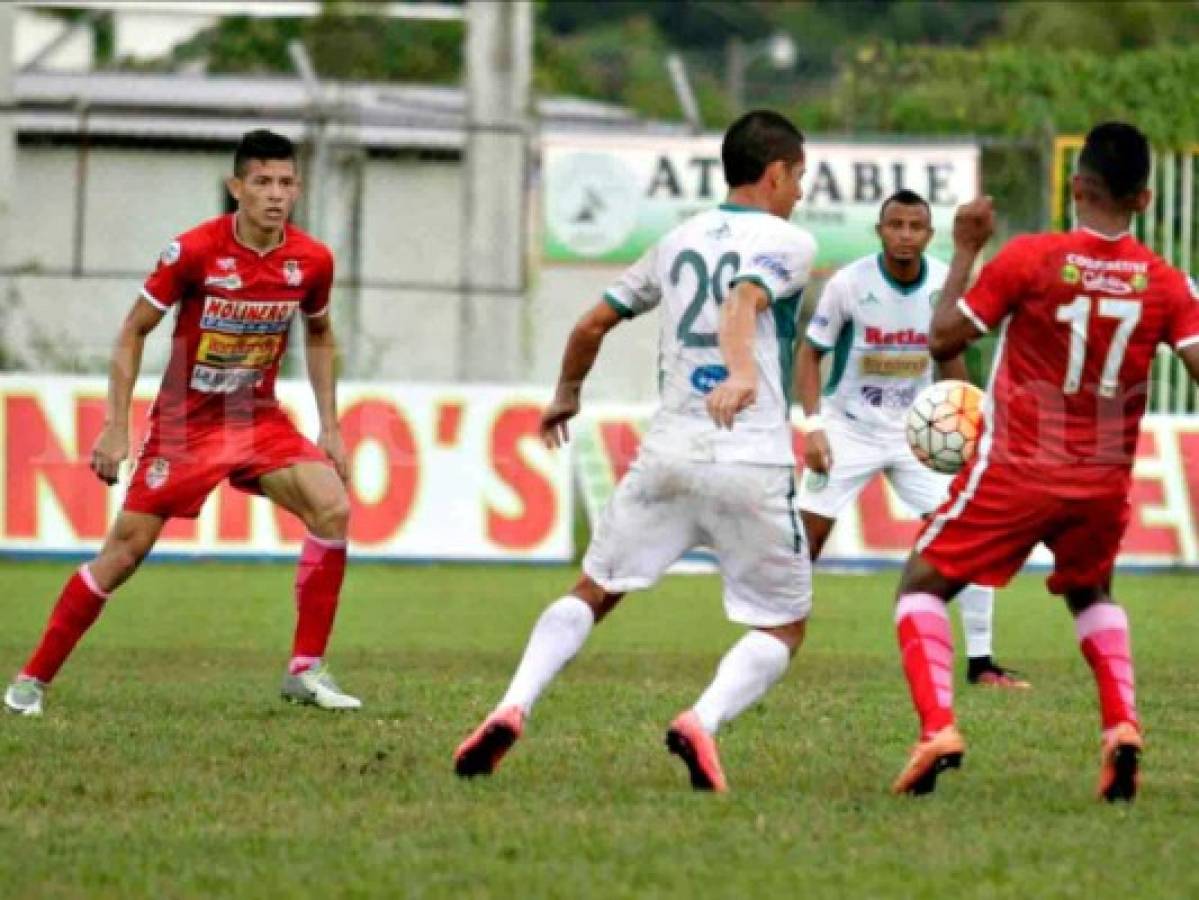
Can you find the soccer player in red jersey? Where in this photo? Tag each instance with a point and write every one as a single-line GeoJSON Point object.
{"type": "Point", "coordinates": [234, 283]}
{"type": "Point", "coordinates": [1080, 315]}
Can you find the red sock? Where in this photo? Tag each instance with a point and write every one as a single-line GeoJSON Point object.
{"type": "Point", "coordinates": [1102, 630]}
{"type": "Point", "coordinates": [318, 586]}
{"type": "Point", "coordinates": [77, 608]}
{"type": "Point", "coordinates": [926, 644]}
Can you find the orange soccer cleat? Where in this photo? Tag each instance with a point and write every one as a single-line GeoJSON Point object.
{"type": "Point", "coordinates": [1119, 774]}
{"type": "Point", "coordinates": [929, 758]}
{"type": "Point", "coordinates": [687, 740]}
{"type": "Point", "coordinates": [480, 753]}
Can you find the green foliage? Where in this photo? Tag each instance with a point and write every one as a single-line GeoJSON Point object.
{"type": "Point", "coordinates": [1014, 91]}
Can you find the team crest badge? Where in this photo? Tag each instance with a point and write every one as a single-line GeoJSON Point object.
{"type": "Point", "coordinates": [170, 255]}
{"type": "Point", "coordinates": [156, 475]}
{"type": "Point", "coordinates": [292, 273]}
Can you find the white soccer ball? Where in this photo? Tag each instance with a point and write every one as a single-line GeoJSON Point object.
{"type": "Point", "coordinates": [944, 425]}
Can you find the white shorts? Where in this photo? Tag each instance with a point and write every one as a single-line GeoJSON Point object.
{"type": "Point", "coordinates": [745, 514]}
{"type": "Point", "coordinates": [856, 460]}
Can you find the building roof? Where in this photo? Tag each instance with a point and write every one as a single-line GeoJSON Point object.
{"type": "Point", "coordinates": [176, 106]}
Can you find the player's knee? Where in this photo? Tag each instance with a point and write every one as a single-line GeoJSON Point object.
{"type": "Point", "coordinates": [600, 601]}
{"type": "Point", "coordinates": [791, 634]}
{"type": "Point", "coordinates": [331, 518]}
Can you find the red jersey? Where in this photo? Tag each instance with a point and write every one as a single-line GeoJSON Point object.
{"type": "Point", "coordinates": [1082, 317]}
{"type": "Point", "coordinates": [233, 308]}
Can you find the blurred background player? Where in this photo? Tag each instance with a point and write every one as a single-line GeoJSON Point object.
{"type": "Point", "coordinates": [874, 316]}
{"type": "Point", "coordinates": [235, 283]}
{"type": "Point", "coordinates": [1080, 317]}
{"type": "Point", "coordinates": [716, 466]}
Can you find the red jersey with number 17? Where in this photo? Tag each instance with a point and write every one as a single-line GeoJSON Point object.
{"type": "Point", "coordinates": [234, 306]}
{"type": "Point", "coordinates": [1082, 315]}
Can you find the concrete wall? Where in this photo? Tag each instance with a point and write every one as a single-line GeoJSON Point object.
{"type": "Point", "coordinates": [403, 324]}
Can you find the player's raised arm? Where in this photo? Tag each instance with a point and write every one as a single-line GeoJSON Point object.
{"type": "Point", "coordinates": [738, 322]}
{"type": "Point", "coordinates": [112, 446]}
{"type": "Point", "coordinates": [582, 347]}
{"type": "Point", "coordinates": [953, 329]}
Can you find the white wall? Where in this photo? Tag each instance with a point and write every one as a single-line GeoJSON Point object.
{"type": "Point", "coordinates": [137, 200]}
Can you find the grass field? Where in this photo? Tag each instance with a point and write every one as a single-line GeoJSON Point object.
{"type": "Point", "coordinates": [166, 766]}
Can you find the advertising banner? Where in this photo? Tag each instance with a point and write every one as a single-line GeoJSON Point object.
{"type": "Point", "coordinates": [879, 530]}
{"type": "Point", "coordinates": [606, 199]}
{"type": "Point", "coordinates": [439, 473]}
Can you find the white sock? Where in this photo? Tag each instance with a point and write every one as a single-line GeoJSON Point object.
{"type": "Point", "coordinates": [556, 638]}
{"type": "Point", "coordinates": [745, 674]}
{"type": "Point", "coordinates": [976, 605]}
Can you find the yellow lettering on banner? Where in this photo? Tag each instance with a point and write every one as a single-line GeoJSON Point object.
{"type": "Point", "coordinates": [895, 365]}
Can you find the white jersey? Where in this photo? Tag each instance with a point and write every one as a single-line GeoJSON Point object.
{"type": "Point", "coordinates": [690, 272]}
{"type": "Point", "coordinates": [877, 330]}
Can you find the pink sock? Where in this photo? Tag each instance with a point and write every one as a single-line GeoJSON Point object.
{"type": "Point", "coordinates": [318, 587]}
{"type": "Point", "coordinates": [77, 608]}
{"type": "Point", "coordinates": [1102, 630]}
{"type": "Point", "coordinates": [926, 645]}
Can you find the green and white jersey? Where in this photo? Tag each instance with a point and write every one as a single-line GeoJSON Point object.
{"type": "Point", "coordinates": [690, 272]}
{"type": "Point", "coordinates": [877, 330]}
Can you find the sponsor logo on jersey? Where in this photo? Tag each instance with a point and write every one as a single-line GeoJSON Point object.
{"type": "Point", "coordinates": [896, 398]}
{"type": "Point", "coordinates": [1139, 282]}
{"type": "Point", "coordinates": [721, 232]}
{"type": "Point", "coordinates": [247, 316]}
{"type": "Point", "coordinates": [211, 380]}
{"type": "Point", "coordinates": [157, 473]}
{"type": "Point", "coordinates": [1106, 284]}
{"type": "Point", "coordinates": [170, 255]}
{"type": "Point", "coordinates": [1126, 266]}
{"type": "Point", "coordinates": [292, 273]}
{"type": "Point", "coordinates": [817, 481]}
{"type": "Point", "coordinates": [773, 263]}
{"type": "Point", "coordinates": [894, 365]}
{"type": "Point", "coordinates": [705, 378]}
{"type": "Point", "coordinates": [257, 351]}
{"type": "Point", "coordinates": [225, 282]}
{"type": "Point", "coordinates": [870, 298]}
{"type": "Point", "coordinates": [1071, 274]}
{"type": "Point", "coordinates": [226, 263]}
{"type": "Point", "coordinates": [905, 337]}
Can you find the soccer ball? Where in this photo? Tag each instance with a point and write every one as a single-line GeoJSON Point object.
{"type": "Point", "coordinates": [944, 425]}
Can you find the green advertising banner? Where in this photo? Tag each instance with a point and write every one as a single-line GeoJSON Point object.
{"type": "Point", "coordinates": [606, 199]}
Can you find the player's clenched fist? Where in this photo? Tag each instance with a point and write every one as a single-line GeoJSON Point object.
{"type": "Point", "coordinates": [110, 450]}
{"type": "Point", "coordinates": [729, 398]}
{"type": "Point", "coordinates": [973, 224]}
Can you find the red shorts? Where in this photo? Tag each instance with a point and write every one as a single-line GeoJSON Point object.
{"type": "Point", "coordinates": [992, 521]}
{"type": "Point", "coordinates": [172, 479]}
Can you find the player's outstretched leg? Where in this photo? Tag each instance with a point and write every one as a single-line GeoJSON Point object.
{"type": "Point", "coordinates": [926, 645]}
{"type": "Point", "coordinates": [743, 677]}
{"type": "Point", "coordinates": [976, 604]}
{"type": "Point", "coordinates": [557, 637]}
{"type": "Point", "coordinates": [1103, 637]}
{"type": "Point", "coordinates": [79, 605]}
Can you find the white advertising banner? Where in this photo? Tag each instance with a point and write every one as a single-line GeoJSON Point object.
{"type": "Point", "coordinates": [607, 198]}
{"type": "Point", "coordinates": [451, 472]}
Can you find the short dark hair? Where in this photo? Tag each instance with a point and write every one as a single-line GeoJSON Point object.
{"type": "Point", "coordinates": [1117, 155]}
{"type": "Point", "coordinates": [261, 144]}
{"type": "Point", "coordinates": [904, 197]}
{"type": "Point", "coordinates": [756, 140]}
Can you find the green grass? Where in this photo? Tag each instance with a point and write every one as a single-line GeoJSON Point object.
{"type": "Point", "coordinates": [166, 765]}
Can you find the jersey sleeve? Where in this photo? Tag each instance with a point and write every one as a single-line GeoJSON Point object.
{"type": "Point", "coordinates": [316, 302]}
{"type": "Point", "coordinates": [1000, 284]}
{"type": "Point", "coordinates": [831, 314]}
{"type": "Point", "coordinates": [638, 289]}
{"type": "Point", "coordinates": [779, 261]}
{"type": "Point", "coordinates": [179, 267]}
{"type": "Point", "coordinates": [1183, 327]}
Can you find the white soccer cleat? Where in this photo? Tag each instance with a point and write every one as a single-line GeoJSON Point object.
{"type": "Point", "coordinates": [315, 687]}
{"type": "Point", "coordinates": [24, 696]}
